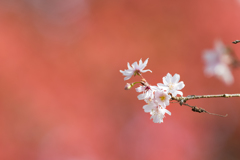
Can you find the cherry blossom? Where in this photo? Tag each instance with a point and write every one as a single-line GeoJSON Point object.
{"type": "Point", "coordinates": [172, 85]}
{"type": "Point", "coordinates": [162, 98]}
{"type": "Point", "coordinates": [135, 69]}
{"type": "Point", "coordinates": [158, 114]}
{"type": "Point", "coordinates": [148, 92]}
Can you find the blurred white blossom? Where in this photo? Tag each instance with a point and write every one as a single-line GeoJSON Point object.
{"type": "Point", "coordinates": [217, 63]}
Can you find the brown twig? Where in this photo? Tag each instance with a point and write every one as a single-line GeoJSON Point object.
{"type": "Point", "coordinates": [201, 110]}
{"type": "Point", "coordinates": [185, 99]}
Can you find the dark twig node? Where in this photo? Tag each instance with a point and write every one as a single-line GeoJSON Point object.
{"type": "Point", "coordinates": [235, 42]}
{"type": "Point", "coordinates": [201, 110]}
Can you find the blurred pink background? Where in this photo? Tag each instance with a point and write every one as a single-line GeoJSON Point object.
{"type": "Point", "coordinates": [62, 96]}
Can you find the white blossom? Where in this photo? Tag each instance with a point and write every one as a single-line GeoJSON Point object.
{"type": "Point", "coordinates": [162, 98]}
{"type": "Point", "coordinates": [148, 92]}
{"type": "Point", "coordinates": [150, 106]}
{"type": "Point", "coordinates": [135, 69]}
{"type": "Point", "coordinates": [158, 114]}
{"type": "Point", "coordinates": [172, 84]}
{"type": "Point", "coordinates": [157, 111]}
{"type": "Point", "coordinates": [217, 63]}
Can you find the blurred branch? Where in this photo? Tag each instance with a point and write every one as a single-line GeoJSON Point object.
{"type": "Point", "coordinates": [235, 42]}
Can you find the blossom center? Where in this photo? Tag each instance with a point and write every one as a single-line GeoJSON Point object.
{"type": "Point", "coordinates": [162, 98]}
{"type": "Point", "coordinates": [137, 72]}
{"type": "Point", "coordinates": [147, 88]}
{"type": "Point", "coordinates": [171, 86]}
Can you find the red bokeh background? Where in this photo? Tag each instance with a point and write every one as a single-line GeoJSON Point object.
{"type": "Point", "coordinates": [62, 96]}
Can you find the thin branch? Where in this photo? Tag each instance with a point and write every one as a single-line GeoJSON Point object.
{"type": "Point", "coordinates": [201, 110]}
{"type": "Point", "coordinates": [182, 100]}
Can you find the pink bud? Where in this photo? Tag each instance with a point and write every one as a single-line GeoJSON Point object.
{"type": "Point", "coordinates": [128, 86]}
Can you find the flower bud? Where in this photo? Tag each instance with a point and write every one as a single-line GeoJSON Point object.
{"type": "Point", "coordinates": [128, 86]}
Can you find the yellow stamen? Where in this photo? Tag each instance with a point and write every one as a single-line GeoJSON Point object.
{"type": "Point", "coordinates": [162, 98]}
{"type": "Point", "coordinates": [170, 85]}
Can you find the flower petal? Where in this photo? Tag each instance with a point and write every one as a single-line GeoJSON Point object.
{"type": "Point", "coordinates": [129, 67]}
{"type": "Point", "coordinates": [141, 96]}
{"type": "Point", "coordinates": [149, 107]}
{"type": "Point", "coordinates": [127, 78]}
{"type": "Point", "coordinates": [179, 92]}
{"type": "Point", "coordinates": [180, 85]}
{"type": "Point", "coordinates": [140, 89]}
{"type": "Point", "coordinates": [140, 62]}
{"type": "Point", "coordinates": [143, 71]}
{"type": "Point", "coordinates": [176, 78]}
{"type": "Point", "coordinates": [167, 79]}
{"type": "Point", "coordinates": [162, 86]}
{"type": "Point", "coordinates": [145, 62]}
{"type": "Point", "coordinates": [135, 66]}
{"type": "Point", "coordinates": [168, 112]}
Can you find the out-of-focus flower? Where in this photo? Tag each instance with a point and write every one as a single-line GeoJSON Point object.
{"type": "Point", "coordinates": [171, 85]}
{"type": "Point", "coordinates": [217, 63]}
{"type": "Point", "coordinates": [162, 98]}
{"type": "Point", "coordinates": [135, 69]}
{"type": "Point", "coordinates": [158, 114]}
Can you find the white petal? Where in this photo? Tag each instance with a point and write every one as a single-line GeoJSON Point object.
{"type": "Point", "coordinates": [143, 71]}
{"type": "Point", "coordinates": [167, 79]}
{"type": "Point", "coordinates": [180, 85]}
{"type": "Point", "coordinates": [127, 78]}
{"type": "Point", "coordinates": [168, 112]}
{"type": "Point", "coordinates": [176, 78]}
{"type": "Point", "coordinates": [129, 67]}
{"type": "Point", "coordinates": [141, 96]}
{"type": "Point", "coordinates": [140, 62]}
{"type": "Point", "coordinates": [162, 86]}
{"type": "Point", "coordinates": [149, 107]}
{"type": "Point", "coordinates": [154, 88]}
{"type": "Point", "coordinates": [135, 65]}
{"type": "Point", "coordinates": [127, 73]}
{"type": "Point", "coordinates": [140, 89]}
{"type": "Point", "coordinates": [145, 62]}
{"type": "Point", "coordinates": [164, 81]}
{"type": "Point", "coordinates": [174, 93]}
{"type": "Point", "coordinates": [179, 92]}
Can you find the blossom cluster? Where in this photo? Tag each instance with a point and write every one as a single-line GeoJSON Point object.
{"type": "Point", "coordinates": [157, 97]}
